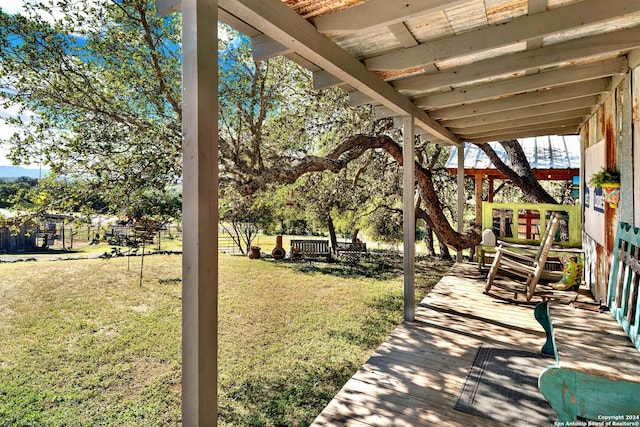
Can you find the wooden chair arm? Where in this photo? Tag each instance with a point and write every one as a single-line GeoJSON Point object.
{"type": "Point", "coordinates": [573, 393]}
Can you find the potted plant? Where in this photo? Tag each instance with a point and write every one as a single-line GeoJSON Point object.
{"type": "Point", "coordinates": [609, 181]}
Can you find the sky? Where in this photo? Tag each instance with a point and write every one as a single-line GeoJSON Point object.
{"type": "Point", "coordinates": [5, 131]}
{"type": "Point", "coordinates": [13, 6]}
{"type": "Point", "coordinates": [9, 6]}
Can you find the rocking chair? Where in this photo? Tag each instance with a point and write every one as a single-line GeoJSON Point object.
{"type": "Point", "coordinates": [525, 266]}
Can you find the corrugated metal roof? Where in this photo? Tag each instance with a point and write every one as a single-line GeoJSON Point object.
{"type": "Point", "coordinates": [543, 152]}
{"type": "Point", "coordinates": [452, 59]}
{"type": "Point", "coordinates": [310, 8]}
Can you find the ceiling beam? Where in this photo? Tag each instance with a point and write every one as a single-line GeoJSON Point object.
{"type": "Point", "coordinates": [357, 98]}
{"type": "Point", "coordinates": [574, 50]}
{"type": "Point", "coordinates": [524, 84]}
{"type": "Point", "coordinates": [382, 112]}
{"type": "Point", "coordinates": [285, 26]}
{"type": "Point", "coordinates": [323, 80]}
{"type": "Point", "coordinates": [524, 121]}
{"type": "Point", "coordinates": [535, 6]}
{"type": "Point", "coordinates": [561, 130]}
{"type": "Point", "coordinates": [264, 47]}
{"type": "Point", "coordinates": [634, 58]}
{"type": "Point", "coordinates": [236, 23]}
{"type": "Point", "coordinates": [302, 62]}
{"type": "Point", "coordinates": [522, 113]}
{"type": "Point", "coordinates": [573, 123]}
{"type": "Point", "coordinates": [520, 29]}
{"type": "Point", "coordinates": [403, 35]}
{"type": "Point", "coordinates": [524, 100]}
{"type": "Point", "coordinates": [376, 13]}
{"type": "Point", "coordinates": [167, 7]}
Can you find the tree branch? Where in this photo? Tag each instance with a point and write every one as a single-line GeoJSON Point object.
{"type": "Point", "coordinates": [520, 172]}
{"type": "Point", "coordinates": [350, 149]}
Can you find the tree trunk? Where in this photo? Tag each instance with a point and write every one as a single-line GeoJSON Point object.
{"type": "Point", "coordinates": [520, 172]}
{"type": "Point", "coordinates": [353, 147]}
{"type": "Point", "coordinates": [332, 234]}
{"type": "Point", "coordinates": [444, 250]}
{"type": "Point", "coordinates": [354, 235]}
{"type": "Point", "coordinates": [428, 240]}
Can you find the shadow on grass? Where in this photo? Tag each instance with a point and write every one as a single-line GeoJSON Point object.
{"type": "Point", "coordinates": [295, 395]}
{"type": "Point", "coordinates": [283, 400]}
{"type": "Point", "coordinates": [40, 251]}
{"type": "Point", "coordinates": [296, 399]}
{"type": "Point", "coordinates": [378, 267]}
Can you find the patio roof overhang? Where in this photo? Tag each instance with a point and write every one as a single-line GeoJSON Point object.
{"type": "Point", "coordinates": [467, 70]}
{"type": "Point", "coordinates": [460, 70]}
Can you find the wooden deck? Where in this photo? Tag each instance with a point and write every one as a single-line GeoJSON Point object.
{"type": "Point", "coordinates": [414, 378]}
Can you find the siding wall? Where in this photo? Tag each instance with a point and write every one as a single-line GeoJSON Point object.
{"type": "Point", "coordinates": [617, 123]}
{"type": "Point", "coordinates": [10, 241]}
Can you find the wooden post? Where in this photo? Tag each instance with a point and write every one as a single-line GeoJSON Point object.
{"type": "Point", "coordinates": [200, 213]}
{"type": "Point", "coordinates": [409, 218]}
{"type": "Point", "coordinates": [491, 190]}
{"type": "Point", "coordinates": [460, 196]}
{"type": "Point", "coordinates": [478, 187]}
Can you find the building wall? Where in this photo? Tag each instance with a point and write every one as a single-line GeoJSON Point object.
{"type": "Point", "coordinates": [611, 139]}
{"type": "Point", "coordinates": [12, 240]}
{"type": "Point", "coordinates": [635, 129]}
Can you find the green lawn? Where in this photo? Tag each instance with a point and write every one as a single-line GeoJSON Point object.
{"type": "Point", "coordinates": [84, 344]}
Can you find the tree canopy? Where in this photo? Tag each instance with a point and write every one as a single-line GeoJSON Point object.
{"type": "Point", "coordinates": [99, 91]}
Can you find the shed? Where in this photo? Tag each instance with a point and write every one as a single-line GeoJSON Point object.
{"type": "Point", "coordinates": [16, 235]}
{"type": "Point", "coordinates": [51, 227]}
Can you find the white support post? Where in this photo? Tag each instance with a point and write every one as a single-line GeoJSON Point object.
{"type": "Point", "coordinates": [200, 213]}
{"type": "Point", "coordinates": [409, 219]}
{"type": "Point", "coordinates": [460, 196]}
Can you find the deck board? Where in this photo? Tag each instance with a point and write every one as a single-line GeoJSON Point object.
{"type": "Point", "coordinates": [415, 376]}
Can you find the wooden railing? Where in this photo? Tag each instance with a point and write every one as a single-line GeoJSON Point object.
{"type": "Point", "coordinates": [523, 222]}
{"type": "Point", "coordinates": [624, 281]}
{"type": "Point", "coordinates": [609, 393]}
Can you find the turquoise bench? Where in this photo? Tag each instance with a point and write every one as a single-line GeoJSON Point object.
{"type": "Point", "coordinates": [608, 392]}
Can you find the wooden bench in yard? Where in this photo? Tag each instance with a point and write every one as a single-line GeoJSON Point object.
{"type": "Point", "coordinates": [597, 371]}
{"type": "Point", "coordinates": [310, 249]}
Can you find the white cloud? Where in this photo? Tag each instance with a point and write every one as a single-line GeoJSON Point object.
{"type": "Point", "coordinates": [7, 130]}
{"type": "Point", "coordinates": [55, 13]}
{"type": "Point", "coordinates": [12, 6]}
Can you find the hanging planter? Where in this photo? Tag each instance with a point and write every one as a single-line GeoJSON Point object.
{"type": "Point", "coordinates": [611, 193]}
{"type": "Point", "coordinates": [609, 181]}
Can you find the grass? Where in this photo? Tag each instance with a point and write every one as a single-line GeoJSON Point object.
{"type": "Point", "coordinates": [84, 344]}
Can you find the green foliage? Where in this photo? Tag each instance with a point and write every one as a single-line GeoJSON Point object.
{"type": "Point", "coordinates": [270, 115]}
{"type": "Point", "coordinates": [157, 205]}
{"type": "Point", "coordinates": [103, 79]}
{"type": "Point", "coordinates": [604, 176]}
{"type": "Point", "coordinates": [242, 217]}
{"type": "Point", "coordinates": [386, 225]}
{"type": "Point", "coordinates": [13, 193]}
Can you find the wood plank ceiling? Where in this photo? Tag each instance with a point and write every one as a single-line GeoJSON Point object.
{"type": "Point", "coordinates": [468, 70]}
